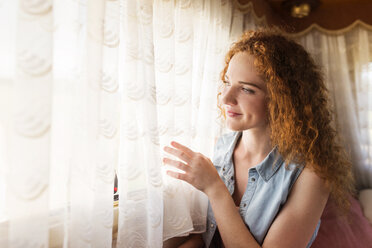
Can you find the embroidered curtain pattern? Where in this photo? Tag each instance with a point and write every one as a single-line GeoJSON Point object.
{"type": "Point", "coordinates": [61, 131]}
{"type": "Point", "coordinates": [90, 87]}
{"type": "Point", "coordinates": [174, 55]}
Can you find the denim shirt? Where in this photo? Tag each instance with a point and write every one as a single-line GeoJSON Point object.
{"type": "Point", "coordinates": [268, 187]}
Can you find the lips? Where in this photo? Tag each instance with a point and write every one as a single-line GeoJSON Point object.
{"type": "Point", "coordinates": [232, 113]}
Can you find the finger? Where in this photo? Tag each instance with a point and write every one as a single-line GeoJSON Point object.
{"type": "Point", "coordinates": [183, 148]}
{"type": "Point", "coordinates": [177, 164]}
{"type": "Point", "coordinates": [177, 175]}
{"type": "Point", "coordinates": [178, 153]}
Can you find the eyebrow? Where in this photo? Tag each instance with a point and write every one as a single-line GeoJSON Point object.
{"type": "Point", "coordinates": [247, 83]}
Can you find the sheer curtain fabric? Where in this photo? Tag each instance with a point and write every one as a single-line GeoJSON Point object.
{"type": "Point", "coordinates": [90, 87]}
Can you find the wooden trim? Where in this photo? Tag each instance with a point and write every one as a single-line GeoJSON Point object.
{"type": "Point", "coordinates": [330, 17]}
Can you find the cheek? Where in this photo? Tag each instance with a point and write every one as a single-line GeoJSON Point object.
{"type": "Point", "coordinates": [257, 106]}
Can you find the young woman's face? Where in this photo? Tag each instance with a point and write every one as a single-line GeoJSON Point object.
{"type": "Point", "coordinates": [244, 95]}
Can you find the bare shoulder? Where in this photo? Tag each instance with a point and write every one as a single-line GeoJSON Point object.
{"type": "Point", "coordinates": [310, 182]}
{"type": "Point", "coordinates": [300, 215]}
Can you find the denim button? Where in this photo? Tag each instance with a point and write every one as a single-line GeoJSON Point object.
{"type": "Point", "coordinates": [232, 177]}
{"type": "Point", "coordinates": [244, 205]}
{"type": "Point", "coordinates": [223, 169]}
{"type": "Point", "coordinates": [212, 225]}
{"type": "Point", "coordinates": [253, 179]}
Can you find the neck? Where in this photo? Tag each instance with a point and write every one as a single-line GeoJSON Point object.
{"type": "Point", "coordinates": [254, 144]}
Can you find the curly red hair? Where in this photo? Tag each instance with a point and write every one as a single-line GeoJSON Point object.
{"type": "Point", "coordinates": [298, 111]}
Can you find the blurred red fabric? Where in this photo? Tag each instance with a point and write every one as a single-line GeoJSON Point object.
{"type": "Point", "coordinates": [335, 231]}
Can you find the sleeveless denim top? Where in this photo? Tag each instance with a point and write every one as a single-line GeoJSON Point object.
{"type": "Point", "coordinates": [268, 187]}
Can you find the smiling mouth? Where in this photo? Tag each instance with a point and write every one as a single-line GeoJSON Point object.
{"type": "Point", "coordinates": [232, 114]}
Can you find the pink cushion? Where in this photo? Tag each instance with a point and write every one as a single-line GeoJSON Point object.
{"type": "Point", "coordinates": [340, 232]}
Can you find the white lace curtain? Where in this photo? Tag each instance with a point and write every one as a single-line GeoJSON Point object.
{"type": "Point", "coordinates": [90, 87]}
{"type": "Point", "coordinates": [346, 60]}
{"type": "Point", "coordinates": [174, 55]}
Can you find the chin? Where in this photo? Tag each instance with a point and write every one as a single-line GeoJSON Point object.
{"type": "Point", "coordinates": [235, 127]}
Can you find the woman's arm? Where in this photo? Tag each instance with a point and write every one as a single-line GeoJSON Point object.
{"type": "Point", "coordinates": [293, 226]}
{"type": "Point", "coordinates": [232, 228]}
{"type": "Point", "coordinates": [296, 222]}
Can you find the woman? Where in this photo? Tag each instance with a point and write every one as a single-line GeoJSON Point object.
{"type": "Point", "coordinates": [271, 177]}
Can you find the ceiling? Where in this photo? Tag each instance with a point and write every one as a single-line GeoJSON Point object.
{"type": "Point", "coordinates": [330, 14]}
{"type": "Point", "coordinates": [331, 1]}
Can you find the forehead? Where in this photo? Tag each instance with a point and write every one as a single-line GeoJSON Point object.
{"type": "Point", "coordinates": [242, 68]}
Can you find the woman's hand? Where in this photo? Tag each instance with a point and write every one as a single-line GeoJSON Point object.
{"type": "Point", "coordinates": [199, 170]}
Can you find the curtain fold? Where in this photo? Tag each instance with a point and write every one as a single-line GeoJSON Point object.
{"type": "Point", "coordinates": [94, 87]}
{"type": "Point", "coordinates": [360, 64]}
{"type": "Point", "coordinates": [62, 137]}
{"type": "Point", "coordinates": [30, 123]}
{"type": "Point", "coordinates": [140, 194]}
{"type": "Point", "coordinates": [174, 56]}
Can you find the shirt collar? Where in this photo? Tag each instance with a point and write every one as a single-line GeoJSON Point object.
{"type": "Point", "coordinates": [267, 168]}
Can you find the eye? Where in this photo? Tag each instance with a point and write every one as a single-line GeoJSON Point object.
{"type": "Point", "coordinates": [249, 91]}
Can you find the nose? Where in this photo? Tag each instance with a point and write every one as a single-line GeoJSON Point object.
{"type": "Point", "coordinates": [228, 96]}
